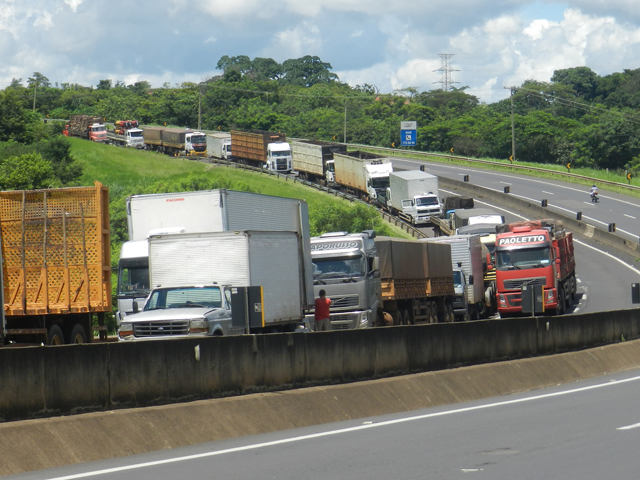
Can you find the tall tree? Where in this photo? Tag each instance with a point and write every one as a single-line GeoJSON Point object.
{"type": "Point", "coordinates": [307, 71]}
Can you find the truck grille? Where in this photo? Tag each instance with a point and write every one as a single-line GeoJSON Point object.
{"type": "Point", "coordinates": [161, 329]}
{"type": "Point", "coordinates": [343, 322]}
{"type": "Point", "coordinates": [517, 283]}
{"type": "Point", "coordinates": [345, 301]}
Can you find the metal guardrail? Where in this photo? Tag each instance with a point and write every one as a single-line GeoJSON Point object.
{"type": "Point", "coordinates": [411, 153]}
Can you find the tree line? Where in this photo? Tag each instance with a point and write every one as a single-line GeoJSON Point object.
{"type": "Point", "coordinates": [578, 117]}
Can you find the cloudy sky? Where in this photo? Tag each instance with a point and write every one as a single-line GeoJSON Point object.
{"type": "Point", "coordinates": [389, 44]}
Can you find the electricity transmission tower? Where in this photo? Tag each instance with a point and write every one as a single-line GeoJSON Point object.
{"type": "Point", "coordinates": [446, 70]}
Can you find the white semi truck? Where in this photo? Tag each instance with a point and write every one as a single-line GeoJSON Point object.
{"type": "Point", "coordinates": [413, 196]}
{"type": "Point", "coordinates": [193, 277]}
{"type": "Point", "coordinates": [363, 174]}
{"type": "Point", "coordinates": [199, 212]}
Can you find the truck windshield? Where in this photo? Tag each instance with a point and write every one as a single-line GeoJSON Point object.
{"type": "Point", "coordinates": [331, 167]}
{"type": "Point", "coordinates": [523, 258]}
{"type": "Point", "coordinates": [336, 267]}
{"type": "Point", "coordinates": [184, 297]}
{"type": "Point", "coordinates": [100, 128]}
{"type": "Point", "coordinates": [426, 201]}
{"type": "Point", "coordinates": [380, 182]}
{"type": "Point", "coordinates": [198, 140]}
{"type": "Point", "coordinates": [133, 279]}
{"type": "Point", "coordinates": [283, 153]}
{"type": "Point", "coordinates": [135, 134]}
{"type": "Point", "coordinates": [457, 278]}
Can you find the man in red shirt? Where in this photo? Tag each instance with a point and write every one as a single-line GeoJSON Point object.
{"type": "Point", "coordinates": [323, 322]}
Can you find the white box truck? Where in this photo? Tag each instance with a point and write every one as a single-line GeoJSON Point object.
{"type": "Point", "coordinates": [413, 196]}
{"type": "Point", "coordinates": [198, 212]}
{"type": "Point", "coordinates": [466, 256]}
{"type": "Point", "coordinates": [193, 274]}
{"type": "Point", "coordinates": [219, 145]}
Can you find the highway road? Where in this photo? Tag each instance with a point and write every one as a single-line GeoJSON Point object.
{"type": "Point", "coordinates": [588, 429]}
{"type": "Point", "coordinates": [604, 281]}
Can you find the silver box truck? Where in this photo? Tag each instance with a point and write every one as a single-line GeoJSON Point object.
{"type": "Point", "coordinates": [193, 274]}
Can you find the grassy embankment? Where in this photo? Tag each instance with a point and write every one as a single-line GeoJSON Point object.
{"type": "Point", "coordinates": [128, 171]}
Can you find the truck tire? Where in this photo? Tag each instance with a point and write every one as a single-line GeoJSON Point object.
{"type": "Point", "coordinates": [55, 335]}
{"type": "Point", "coordinates": [78, 335]}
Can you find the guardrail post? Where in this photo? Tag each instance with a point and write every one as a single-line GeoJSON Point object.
{"type": "Point", "coordinates": [507, 189]}
{"type": "Point", "coordinates": [579, 216]}
{"type": "Point", "coordinates": [465, 178]}
{"type": "Point", "coordinates": [543, 203]}
{"type": "Point", "coordinates": [612, 227]}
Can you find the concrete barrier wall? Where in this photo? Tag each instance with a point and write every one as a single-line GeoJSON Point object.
{"type": "Point", "coordinates": [63, 380]}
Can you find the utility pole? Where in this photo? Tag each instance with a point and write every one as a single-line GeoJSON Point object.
{"type": "Point", "coordinates": [345, 121]}
{"type": "Point", "coordinates": [199, 107]}
{"type": "Point", "coordinates": [513, 128]}
{"type": "Point", "coordinates": [35, 89]}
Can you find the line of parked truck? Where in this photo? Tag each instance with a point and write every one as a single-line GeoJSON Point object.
{"type": "Point", "coordinates": [221, 262]}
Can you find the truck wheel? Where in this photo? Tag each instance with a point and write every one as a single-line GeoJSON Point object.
{"type": "Point", "coordinates": [55, 336]}
{"type": "Point", "coordinates": [78, 335]}
{"type": "Point", "coordinates": [450, 316]}
{"type": "Point", "coordinates": [561, 301]}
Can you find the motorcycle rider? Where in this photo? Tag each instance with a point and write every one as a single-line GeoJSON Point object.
{"type": "Point", "coordinates": [594, 191]}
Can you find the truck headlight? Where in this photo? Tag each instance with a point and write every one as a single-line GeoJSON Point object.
{"type": "Point", "coordinates": [198, 325]}
{"type": "Point", "coordinates": [364, 320]}
{"type": "Point", "coordinates": [126, 329]}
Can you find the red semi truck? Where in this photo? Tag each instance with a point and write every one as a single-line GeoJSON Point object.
{"type": "Point", "coordinates": [533, 253]}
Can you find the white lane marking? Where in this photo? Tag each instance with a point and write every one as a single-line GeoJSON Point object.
{"type": "Point", "coordinates": [548, 193]}
{"type": "Point", "coordinates": [341, 431]}
{"type": "Point", "coordinates": [566, 210]}
{"type": "Point", "coordinates": [630, 216]}
{"type": "Point", "coordinates": [629, 427]}
{"type": "Point", "coordinates": [531, 180]}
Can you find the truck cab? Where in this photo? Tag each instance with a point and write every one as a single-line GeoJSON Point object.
{"type": "Point", "coordinates": [460, 305]}
{"type": "Point", "coordinates": [97, 133]}
{"type": "Point", "coordinates": [346, 267]}
{"type": "Point", "coordinates": [378, 180]}
{"type": "Point", "coordinates": [421, 207]}
{"type": "Point", "coordinates": [330, 172]}
{"type": "Point", "coordinates": [195, 143]}
{"type": "Point", "coordinates": [133, 138]}
{"type": "Point", "coordinates": [133, 277]}
{"type": "Point", "coordinates": [279, 157]}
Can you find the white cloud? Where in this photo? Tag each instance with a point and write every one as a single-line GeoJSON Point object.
{"type": "Point", "coordinates": [73, 4]}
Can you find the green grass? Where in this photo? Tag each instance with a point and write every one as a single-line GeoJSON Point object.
{"type": "Point", "coordinates": [130, 170]}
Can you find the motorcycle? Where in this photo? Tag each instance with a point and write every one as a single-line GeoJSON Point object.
{"type": "Point", "coordinates": [594, 197]}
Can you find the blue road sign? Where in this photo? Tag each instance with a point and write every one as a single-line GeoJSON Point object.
{"type": "Point", "coordinates": [408, 138]}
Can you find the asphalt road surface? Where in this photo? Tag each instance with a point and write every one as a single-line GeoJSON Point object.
{"type": "Point", "coordinates": [586, 430]}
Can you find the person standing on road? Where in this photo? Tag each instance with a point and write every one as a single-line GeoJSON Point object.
{"type": "Point", "coordinates": [322, 320]}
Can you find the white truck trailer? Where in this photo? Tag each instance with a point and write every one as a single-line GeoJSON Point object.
{"type": "Point", "coordinates": [198, 212]}
{"type": "Point", "coordinates": [313, 160]}
{"type": "Point", "coordinates": [219, 145]}
{"type": "Point", "coordinates": [363, 174]}
{"type": "Point", "coordinates": [413, 196]}
{"type": "Point", "coordinates": [466, 255]}
{"type": "Point", "coordinates": [193, 276]}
